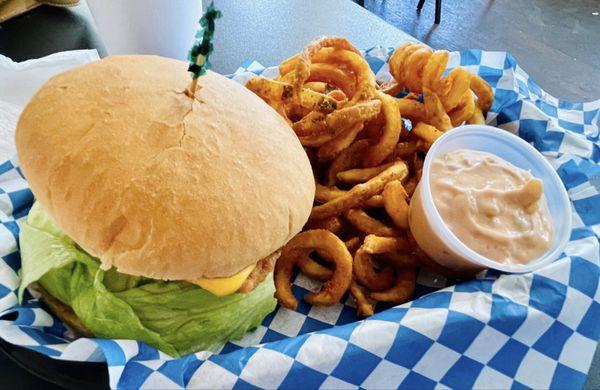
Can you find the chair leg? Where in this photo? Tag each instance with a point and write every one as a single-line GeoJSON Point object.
{"type": "Point", "coordinates": [438, 11]}
{"type": "Point", "coordinates": [420, 5]}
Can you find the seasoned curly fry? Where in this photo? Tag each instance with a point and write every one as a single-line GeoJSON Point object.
{"type": "Point", "coordinates": [271, 90]}
{"type": "Point", "coordinates": [347, 159]}
{"type": "Point", "coordinates": [463, 111]}
{"type": "Point", "coordinates": [426, 132]}
{"type": "Point", "coordinates": [348, 116]}
{"type": "Point", "coordinates": [374, 244]}
{"type": "Point", "coordinates": [364, 308]}
{"type": "Point", "coordinates": [325, 194]}
{"type": "Point", "coordinates": [339, 96]}
{"type": "Point", "coordinates": [457, 85]}
{"type": "Point", "coordinates": [320, 52]}
{"type": "Point", "coordinates": [317, 86]}
{"type": "Point", "coordinates": [477, 118]}
{"type": "Point", "coordinates": [411, 186]}
{"type": "Point", "coordinates": [402, 291]}
{"type": "Point", "coordinates": [305, 59]}
{"type": "Point", "coordinates": [376, 201]}
{"type": "Point", "coordinates": [368, 276]}
{"type": "Point", "coordinates": [408, 77]}
{"type": "Point", "coordinates": [367, 224]}
{"type": "Point", "coordinates": [353, 244]}
{"type": "Point", "coordinates": [331, 74]}
{"type": "Point", "coordinates": [328, 244]}
{"type": "Point", "coordinates": [411, 109]}
{"type": "Point", "coordinates": [395, 201]}
{"type": "Point", "coordinates": [436, 114]}
{"type": "Point", "coordinates": [485, 95]}
{"type": "Point", "coordinates": [365, 79]}
{"type": "Point", "coordinates": [404, 150]}
{"type": "Point", "coordinates": [335, 146]}
{"type": "Point", "coordinates": [376, 153]}
{"type": "Point", "coordinates": [360, 175]}
{"type": "Point", "coordinates": [391, 88]}
{"type": "Point", "coordinates": [312, 269]}
{"type": "Point", "coordinates": [316, 140]}
{"type": "Point", "coordinates": [360, 192]}
{"type": "Point", "coordinates": [434, 69]}
{"type": "Point", "coordinates": [312, 124]}
{"type": "Point", "coordinates": [333, 224]}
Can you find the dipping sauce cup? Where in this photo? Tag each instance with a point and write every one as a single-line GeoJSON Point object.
{"type": "Point", "coordinates": [438, 241]}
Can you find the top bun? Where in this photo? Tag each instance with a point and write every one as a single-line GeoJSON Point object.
{"type": "Point", "coordinates": [159, 184]}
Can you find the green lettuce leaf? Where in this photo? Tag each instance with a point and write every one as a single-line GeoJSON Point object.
{"type": "Point", "coordinates": [173, 316]}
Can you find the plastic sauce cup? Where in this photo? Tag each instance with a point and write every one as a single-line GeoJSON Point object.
{"type": "Point", "coordinates": [438, 241]}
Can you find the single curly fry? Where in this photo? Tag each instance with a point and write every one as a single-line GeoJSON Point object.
{"type": "Point", "coordinates": [434, 109]}
{"type": "Point", "coordinates": [457, 85]}
{"type": "Point", "coordinates": [433, 71]}
{"type": "Point", "coordinates": [312, 269]}
{"type": "Point", "coordinates": [277, 91]}
{"type": "Point", "coordinates": [349, 116]}
{"type": "Point", "coordinates": [316, 140]}
{"type": "Point", "coordinates": [426, 132]}
{"type": "Point", "coordinates": [391, 88]}
{"type": "Point", "coordinates": [365, 78]}
{"type": "Point", "coordinates": [329, 245]}
{"type": "Point", "coordinates": [353, 244]}
{"type": "Point", "coordinates": [366, 274]}
{"type": "Point", "coordinates": [347, 159]}
{"type": "Point", "coordinates": [341, 141]}
{"type": "Point", "coordinates": [325, 194]}
{"type": "Point", "coordinates": [483, 91]}
{"type": "Point", "coordinates": [333, 224]}
{"type": "Point", "coordinates": [405, 74]}
{"type": "Point", "coordinates": [305, 59]}
{"type": "Point", "coordinates": [317, 86]}
{"type": "Point", "coordinates": [464, 110]}
{"type": "Point", "coordinates": [403, 150]}
{"type": "Point", "coordinates": [375, 245]}
{"type": "Point", "coordinates": [411, 109]}
{"type": "Point", "coordinates": [367, 224]}
{"type": "Point", "coordinates": [364, 308]}
{"type": "Point", "coordinates": [333, 75]}
{"type": "Point", "coordinates": [376, 153]}
{"type": "Point", "coordinates": [309, 267]}
{"type": "Point", "coordinates": [477, 118]}
{"type": "Point", "coordinates": [395, 201]}
{"type": "Point", "coordinates": [312, 124]}
{"type": "Point", "coordinates": [360, 175]}
{"type": "Point", "coordinates": [402, 291]}
{"type": "Point", "coordinates": [412, 73]}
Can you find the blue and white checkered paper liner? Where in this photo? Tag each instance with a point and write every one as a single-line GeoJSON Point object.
{"type": "Point", "coordinates": [535, 330]}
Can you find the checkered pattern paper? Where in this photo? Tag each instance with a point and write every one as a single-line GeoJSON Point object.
{"type": "Point", "coordinates": [536, 330]}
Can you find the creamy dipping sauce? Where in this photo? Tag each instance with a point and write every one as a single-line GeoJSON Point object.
{"type": "Point", "coordinates": [493, 207]}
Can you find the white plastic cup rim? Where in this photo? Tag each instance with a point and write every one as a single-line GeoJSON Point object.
{"type": "Point", "coordinates": [553, 189]}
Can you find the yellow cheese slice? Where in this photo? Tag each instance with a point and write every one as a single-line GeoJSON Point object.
{"type": "Point", "coordinates": [225, 286]}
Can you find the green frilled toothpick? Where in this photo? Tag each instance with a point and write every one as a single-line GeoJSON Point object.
{"type": "Point", "coordinates": [202, 49]}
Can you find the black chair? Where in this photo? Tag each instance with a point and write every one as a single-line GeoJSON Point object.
{"type": "Point", "coordinates": [438, 9]}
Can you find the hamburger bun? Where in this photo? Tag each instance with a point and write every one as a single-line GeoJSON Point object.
{"type": "Point", "coordinates": [159, 184]}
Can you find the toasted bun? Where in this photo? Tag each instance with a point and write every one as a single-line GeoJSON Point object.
{"type": "Point", "coordinates": [159, 184]}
